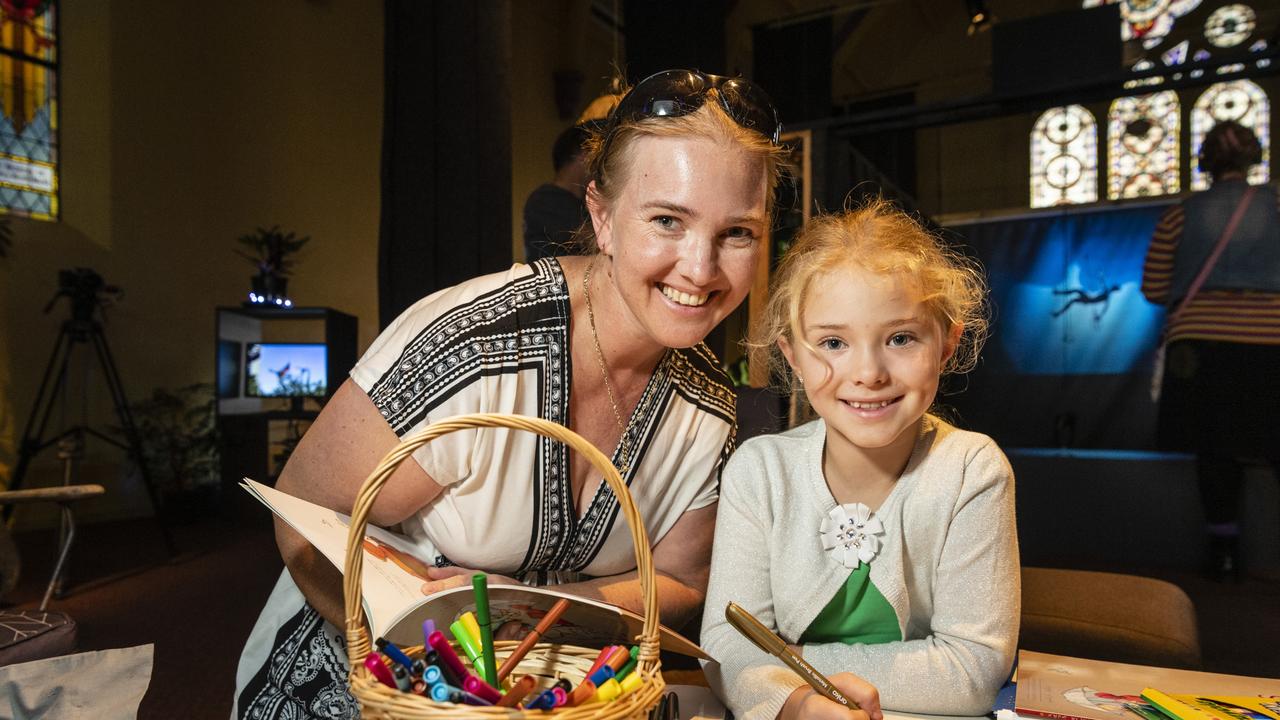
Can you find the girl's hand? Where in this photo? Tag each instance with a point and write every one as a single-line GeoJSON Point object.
{"type": "Point", "coordinates": [452, 577]}
{"type": "Point", "coordinates": [808, 704]}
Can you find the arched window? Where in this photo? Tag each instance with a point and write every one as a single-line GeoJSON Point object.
{"type": "Point", "coordinates": [1064, 157]}
{"type": "Point", "coordinates": [1243, 102]}
{"type": "Point", "coordinates": [1143, 146]}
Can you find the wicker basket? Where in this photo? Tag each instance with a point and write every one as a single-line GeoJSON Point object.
{"type": "Point", "coordinates": [378, 702]}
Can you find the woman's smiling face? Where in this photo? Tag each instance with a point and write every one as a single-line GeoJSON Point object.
{"type": "Point", "coordinates": [684, 233]}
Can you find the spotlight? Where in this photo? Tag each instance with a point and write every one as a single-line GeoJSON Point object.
{"type": "Point", "coordinates": [980, 18]}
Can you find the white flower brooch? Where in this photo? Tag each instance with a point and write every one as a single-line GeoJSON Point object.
{"type": "Point", "coordinates": [849, 532]}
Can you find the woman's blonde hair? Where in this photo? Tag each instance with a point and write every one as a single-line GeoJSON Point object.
{"type": "Point", "coordinates": [610, 162]}
{"type": "Point", "coordinates": [881, 239]}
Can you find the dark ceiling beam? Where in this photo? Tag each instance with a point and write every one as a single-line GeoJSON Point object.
{"type": "Point", "coordinates": [997, 105]}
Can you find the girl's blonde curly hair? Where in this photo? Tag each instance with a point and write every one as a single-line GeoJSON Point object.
{"type": "Point", "coordinates": [881, 239]}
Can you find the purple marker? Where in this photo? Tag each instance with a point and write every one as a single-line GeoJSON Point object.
{"type": "Point", "coordinates": [428, 627]}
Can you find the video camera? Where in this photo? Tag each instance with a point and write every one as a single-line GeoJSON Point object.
{"type": "Point", "coordinates": [86, 289]}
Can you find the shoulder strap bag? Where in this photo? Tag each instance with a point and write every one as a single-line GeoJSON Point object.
{"type": "Point", "coordinates": [1157, 373]}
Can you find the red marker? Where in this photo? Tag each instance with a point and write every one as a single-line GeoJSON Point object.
{"type": "Point", "coordinates": [448, 657]}
{"type": "Point", "coordinates": [480, 688]}
{"type": "Point", "coordinates": [380, 670]}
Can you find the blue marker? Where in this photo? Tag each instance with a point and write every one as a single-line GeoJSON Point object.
{"type": "Point", "coordinates": [395, 653]}
{"type": "Point", "coordinates": [431, 675]}
{"type": "Point", "coordinates": [545, 700]}
{"type": "Point", "coordinates": [601, 675]}
{"type": "Point", "coordinates": [440, 692]}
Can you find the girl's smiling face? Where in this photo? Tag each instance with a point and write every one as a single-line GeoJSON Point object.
{"type": "Point", "coordinates": [684, 235]}
{"type": "Point", "coordinates": [869, 356]}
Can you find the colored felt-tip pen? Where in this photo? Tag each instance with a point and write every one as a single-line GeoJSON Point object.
{"type": "Point", "coordinates": [480, 588]}
{"type": "Point", "coordinates": [449, 660]}
{"type": "Point", "coordinates": [468, 644]}
{"type": "Point", "coordinates": [582, 694]}
{"type": "Point", "coordinates": [376, 667]}
{"type": "Point", "coordinates": [387, 648]}
{"type": "Point", "coordinates": [519, 690]}
{"type": "Point", "coordinates": [476, 686]}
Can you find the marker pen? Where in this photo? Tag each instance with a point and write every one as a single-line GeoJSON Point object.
{"type": "Point", "coordinates": [476, 686]}
{"type": "Point", "coordinates": [440, 692]}
{"type": "Point", "coordinates": [582, 694]}
{"type": "Point", "coordinates": [480, 588]}
{"type": "Point", "coordinates": [466, 698]}
{"type": "Point", "coordinates": [431, 675]}
{"type": "Point", "coordinates": [601, 658]}
{"type": "Point", "coordinates": [469, 621]}
{"type": "Point", "coordinates": [519, 689]}
{"type": "Point", "coordinates": [609, 690]}
{"type": "Point", "coordinates": [373, 662]}
{"type": "Point", "coordinates": [421, 687]}
{"type": "Point", "coordinates": [619, 658]}
{"type": "Point", "coordinates": [449, 660]}
{"type": "Point", "coordinates": [561, 697]}
{"type": "Point", "coordinates": [544, 701]}
{"type": "Point", "coordinates": [428, 627]}
{"type": "Point", "coordinates": [631, 682]}
{"type": "Point", "coordinates": [403, 681]}
{"type": "Point", "coordinates": [630, 665]}
{"type": "Point", "coordinates": [468, 644]}
{"type": "Point", "coordinates": [601, 675]}
{"type": "Point", "coordinates": [390, 650]}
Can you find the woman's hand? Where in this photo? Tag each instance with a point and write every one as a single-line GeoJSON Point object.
{"type": "Point", "coordinates": [451, 577]}
{"type": "Point", "coordinates": [809, 704]}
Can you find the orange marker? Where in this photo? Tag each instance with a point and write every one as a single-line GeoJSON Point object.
{"type": "Point", "coordinates": [619, 658]}
{"type": "Point", "coordinates": [582, 694]}
{"type": "Point", "coordinates": [519, 689]}
{"type": "Point", "coordinates": [536, 634]}
{"type": "Point", "coordinates": [601, 659]}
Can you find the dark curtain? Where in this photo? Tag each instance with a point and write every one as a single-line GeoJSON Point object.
{"type": "Point", "coordinates": [1068, 363]}
{"type": "Point", "coordinates": [446, 148]}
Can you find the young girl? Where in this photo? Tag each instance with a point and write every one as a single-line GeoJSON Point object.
{"type": "Point", "coordinates": [878, 540]}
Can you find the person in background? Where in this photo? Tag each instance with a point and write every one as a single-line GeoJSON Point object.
{"type": "Point", "coordinates": [878, 540]}
{"type": "Point", "coordinates": [610, 345]}
{"type": "Point", "coordinates": [555, 211]}
{"type": "Point", "coordinates": [1221, 380]}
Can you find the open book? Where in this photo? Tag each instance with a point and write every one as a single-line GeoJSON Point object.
{"type": "Point", "coordinates": [393, 578]}
{"type": "Point", "coordinates": [1077, 689]}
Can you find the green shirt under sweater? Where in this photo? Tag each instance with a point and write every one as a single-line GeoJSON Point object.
{"type": "Point", "coordinates": [857, 613]}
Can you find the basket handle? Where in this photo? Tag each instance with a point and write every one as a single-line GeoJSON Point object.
{"type": "Point", "coordinates": [358, 642]}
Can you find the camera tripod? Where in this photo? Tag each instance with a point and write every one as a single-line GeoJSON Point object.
{"type": "Point", "coordinates": [82, 328]}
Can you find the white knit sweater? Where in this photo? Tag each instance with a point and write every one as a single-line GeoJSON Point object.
{"type": "Point", "coordinates": [948, 566]}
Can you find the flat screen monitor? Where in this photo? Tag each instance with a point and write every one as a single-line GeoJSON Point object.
{"type": "Point", "coordinates": [285, 370]}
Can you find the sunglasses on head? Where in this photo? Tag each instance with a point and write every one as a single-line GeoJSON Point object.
{"type": "Point", "coordinates": [672, 93]}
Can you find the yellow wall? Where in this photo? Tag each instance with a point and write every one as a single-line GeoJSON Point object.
{"type": "Point", "coordinates": [183, 126]}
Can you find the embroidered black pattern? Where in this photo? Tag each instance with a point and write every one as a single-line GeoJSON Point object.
{"type": "Point", "coordinates": [303, 677]}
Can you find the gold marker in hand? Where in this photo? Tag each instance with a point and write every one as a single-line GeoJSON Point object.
{"type": "Point", "coordinates": [768, 641]}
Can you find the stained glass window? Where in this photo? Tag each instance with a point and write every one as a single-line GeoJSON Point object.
{"type": "Point", "coordinates": [1149, 20]}
{"type": "Point", "coordinates": [1064, 157]}
{"type": "Point", "coordinates": [1243, 102]}
{"type": "Point", "coordinates": [29, 108]}
{"type": "Point", "coordinates": [1230, 25]}
{"type": "Point", "coordinates": [1143, 146]}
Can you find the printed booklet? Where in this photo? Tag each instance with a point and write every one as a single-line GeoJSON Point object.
{"type": "Point", "coordinates": [393, 578]}
{"type": "Point", "coordinates": [1070, 688]}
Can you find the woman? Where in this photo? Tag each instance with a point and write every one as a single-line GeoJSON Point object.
{"type": "Point", "coordinates": [609, 345]}
{"type": "Point", "coordinates": [1220, 383]}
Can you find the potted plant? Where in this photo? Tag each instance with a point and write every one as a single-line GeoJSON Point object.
{"type": "Point", "coordinates": [271, 251]}
{"type": "Point", "coordinates": [180, 441]}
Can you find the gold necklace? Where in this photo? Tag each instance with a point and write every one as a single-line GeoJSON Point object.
{"type": "Point", "coordinates": [623, 444]}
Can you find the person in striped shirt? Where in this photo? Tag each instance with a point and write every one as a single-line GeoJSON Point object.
{"type": "Point", "coordinates": [1222, 372]}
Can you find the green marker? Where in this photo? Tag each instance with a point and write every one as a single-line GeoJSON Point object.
{"type": "Point", "coordinates": [480, 583]}
{"type": "Point", "coordinates": [468, 644]}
